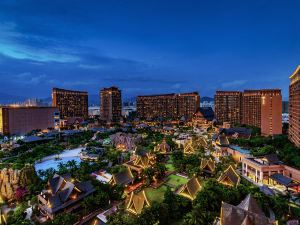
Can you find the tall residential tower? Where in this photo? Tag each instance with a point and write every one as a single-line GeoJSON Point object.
{"type": "Point", "coordinates": [70, 103]}
{"type": "Point", "coordinates": [111, 104]}
{"type": "Point", "coordinates": [228, 106]}
{"type": "Point", "coordinates": [294, 107]}
{"type": "Point", "coordinates": [168, 106]}
{"type": "Point", "coordinates": [260, 108]}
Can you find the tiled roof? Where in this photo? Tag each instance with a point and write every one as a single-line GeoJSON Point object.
{"type": "Point", "coordinates": [208, 164]}
{"type": "Point", "coordinates": [246, 213]}
{"type": "Point", "coordinates": [229, 177]}
{"type": "Point", "coordinates": [191, 188]}
{"type": "Point", "coordinates": [137, 202]}
{"type": "Point", "coordinates": [123, 177]}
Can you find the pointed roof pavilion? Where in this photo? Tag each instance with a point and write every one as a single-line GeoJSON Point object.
{"type": "Point", "coordinates": [188, 148]}
{"type": "Point", "coordinates": [229, 177]}
{"type": "Point", "coordinates": [163, 147]}
{"type": "Point", "coordinates": [190, 189]}
{"type": "Point", "coordinates": [246, 213]}
{"type": "Point", "coordinates": [208, 165]}
{"type": "Point", "coordinates": [136, 202]}
{"type": "Point", "coordinates": [122, 178]}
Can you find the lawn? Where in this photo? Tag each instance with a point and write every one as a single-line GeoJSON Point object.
{"type": "Point", "coordinates": [170, 167]}
{"type": "Point", "coordinates": [175, 181]}
{"type": "Point", "coordinates": [156, 194]}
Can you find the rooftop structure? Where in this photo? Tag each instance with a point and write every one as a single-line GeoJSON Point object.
{"type": "Point", "coordinates": [190, 189]}
{"type": "Point", "coordinates": [236, 132]}
{"type": "Point", "coordinates": [124, 177]}
{"type": "Point", "coordinates": [163, 147]}
{"type": "Point", "coordinates": [135, 203]}
{"type": "Point", "coordinates": [142, 161]}
{"type": "Point", "coordinates": [229, 177]}
{"type": "Point", "coordinates": [246, 213]}
{"type": "Point", "coordinates": [202, 117]}
{"type": "Point", "coordinates": [63, 194]}
{"type": "Point", "coordinates": [125, 141]}
{"type": "Point", "coordinates": [208, 166]}
{"type": "Point", "coordinates": [188, 148]}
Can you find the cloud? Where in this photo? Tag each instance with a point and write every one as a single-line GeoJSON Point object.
{"type": "Point", "coordinates": [29, 78]}
{"type": "Point", "coordinates": [234, 83]}
{"type": "Point", "coordinates": [16, 45]}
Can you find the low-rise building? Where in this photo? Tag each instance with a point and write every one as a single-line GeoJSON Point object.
{"type": "Point", "coordinates": [19, 120]}
{"type": "Point", "coordinates": [247, 212]}
{"type": "Point", "coordinates": [63, 194]}
{"type": "Point", "coordinates": [268, 170]}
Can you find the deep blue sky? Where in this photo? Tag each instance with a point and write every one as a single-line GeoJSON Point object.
{"type": "Point", "coordinates": [147, 46]}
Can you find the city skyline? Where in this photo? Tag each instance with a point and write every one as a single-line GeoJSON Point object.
{"type": "Point", "coordinates": [148, 48]}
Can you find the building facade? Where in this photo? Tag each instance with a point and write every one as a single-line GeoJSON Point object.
{"type": "Point", "coordinates": [259, 108]}
{"type": "Point", "coordinates": [228, 106]}
{"type": "Point", "coordinates": [21, 120]}
{"type": "Point", "coordinates": [70, 103]}
{"type": "Point", "coordinates": [111, 104]}
{"type": "Point", "coordinates": [168, 106]}
{"type": "Point", "coordinates": [294, 107]}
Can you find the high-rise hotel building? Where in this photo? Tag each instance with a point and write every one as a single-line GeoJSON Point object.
{"type": "Point", "coordinates": [228, 106]}
{"type": "Point", "coordinates": [19, 120]}
{"type": "Point", "coordinates": [168, 106]}
{"type": "Point", "coordinates": [294, 107]}
{"type": "Point", "coordinates": [111, 104]}
{"type": "Point", "coordinates": [70, 103]}
{"type": "Point", "coordinates": [260, 108]}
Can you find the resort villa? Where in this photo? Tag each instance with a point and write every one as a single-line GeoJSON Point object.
{"type": "Point", "coordinates": [136, 202]}
{"type": "Point", "coordinates": [247, 212]}
{"type": "Point", "coordinates": [270, 171]}
{"type": "Point", "coordinates": [190, 189]}
{"type": "Point", "coordinates": [63, 194]}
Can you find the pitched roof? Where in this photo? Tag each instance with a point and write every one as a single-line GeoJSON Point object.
{"type": "Point", "coordinates": [229, 177]}
{"type": "Point", "coordinates": [163, 147]}
{"type": "Point", "coordinates": [249, 204]}
{"type": "Point", "coordinates": [222, 140]}
{"type": "Point", "coordinates": [246, 213]}
{"type": "Point", "coordinates": [188, 148]}
{"type": "Point", "coordinates": [284, 180]}
{"type": "Point", "coordinates": [137, 202]}
{"type": "Point", "coordinates": [61, 189]}
{"type": "Point", "coordinates": [207, 112]}
{"type": "Point", "coordinates": [55, 183]}
{"type": "Point", "coordinates": [144, 160]}
{"type": "Point", "coordinates": [124, 177]}
{"type": "Point", "coordinates": [241, 131]}
{"type": "Point", "coordinates": [191, 188]}
{"type": "Point", "coordinates": [208, 165]}
{"type": "Point", "coordinates": [271, 159]}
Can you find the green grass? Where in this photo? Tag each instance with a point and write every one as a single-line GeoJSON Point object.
{"type": "Point", "coordinates": [170, 167]}
{"type": "Point", "coordinates": [156, 194]}
{"type": "Point", "coordinates": [176, 181]}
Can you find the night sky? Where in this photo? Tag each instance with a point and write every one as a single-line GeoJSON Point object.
{"type": "Point", "coordinates": [147, 46]}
